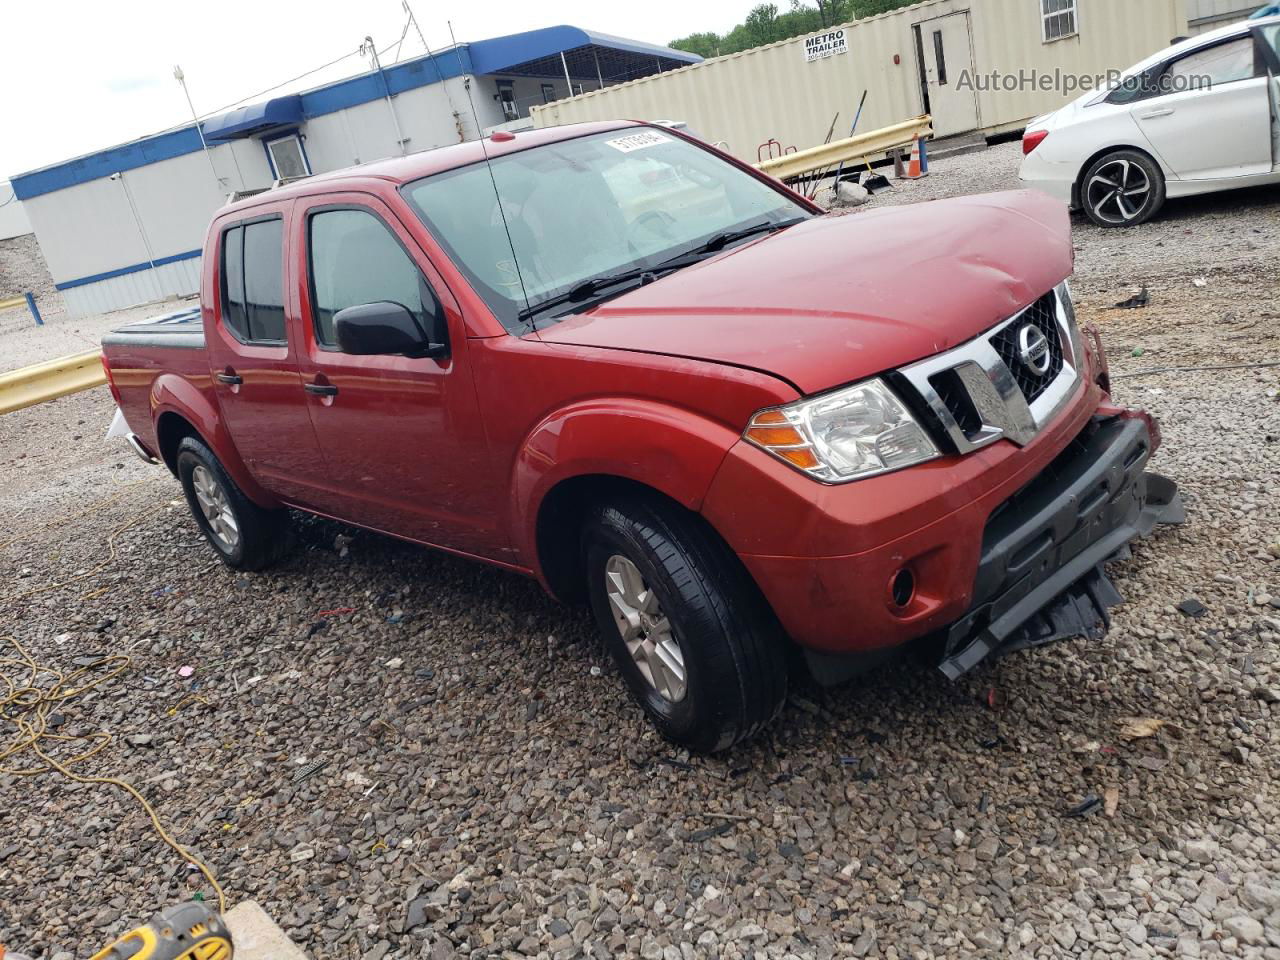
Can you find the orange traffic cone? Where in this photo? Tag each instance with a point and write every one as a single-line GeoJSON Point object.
{"type": "Point", "coordinates": [919, 165]}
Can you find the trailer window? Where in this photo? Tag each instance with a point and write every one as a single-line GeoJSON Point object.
{"type": "Point", "coordinates": [1059, 19]}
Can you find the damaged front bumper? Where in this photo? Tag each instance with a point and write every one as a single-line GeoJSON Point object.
{"type": "Point", "coordinates": [1040, 577]}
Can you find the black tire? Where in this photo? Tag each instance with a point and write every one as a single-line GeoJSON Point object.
{"type": "Point", "coordinates": [733, 649]}
{"type": "Point", "coordinates": [1109, 209]}
{"type": "Point", "coordinates": [262, 536]}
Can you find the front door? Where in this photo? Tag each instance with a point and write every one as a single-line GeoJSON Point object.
{"type": "Point", "coordinates": [252, 359]}
{"type": "Point", "coordinates": [402, 438]}
{"type": "Point", "coordinates": [1215, 121]}
{"type": "Point", "coordinates": [945, 51]}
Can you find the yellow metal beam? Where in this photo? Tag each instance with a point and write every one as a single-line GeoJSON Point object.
{"type": "Point", "coordinates": [49, 380]}
{"type": "Point", "coordinates": [870, 144]}
{"type": "Point", "coordinates": [13, 302]}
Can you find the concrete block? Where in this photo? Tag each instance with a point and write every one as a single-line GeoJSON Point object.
{"type": "Point", "coordinates": [257, 937]}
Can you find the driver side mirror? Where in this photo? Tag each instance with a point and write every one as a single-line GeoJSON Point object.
{"type": "Point", "coordinates": [387, 328]}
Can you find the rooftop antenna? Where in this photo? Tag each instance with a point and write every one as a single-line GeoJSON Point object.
{"type": "Point", "coordinates": [488, 165]}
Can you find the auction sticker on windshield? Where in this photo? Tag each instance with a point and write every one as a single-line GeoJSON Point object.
{"type": "Point", "coordinates": [638, 141]}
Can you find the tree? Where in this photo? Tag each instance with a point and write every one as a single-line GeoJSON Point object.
{"type": "Point", "coordinates": [764, 24]}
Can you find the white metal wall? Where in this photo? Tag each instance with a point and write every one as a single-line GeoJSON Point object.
{"type": "Point", "coordinates": [772, 92]}
{"type": "Point", "coordinates": [168, 280]}
{"type": "Point", "coordinates": [1205, 15]}
{"type": "Point", "coordinates": [13, 217]}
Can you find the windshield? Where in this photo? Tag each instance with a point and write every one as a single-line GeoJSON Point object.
{"type": "Point", "coordinates": [595, 207]}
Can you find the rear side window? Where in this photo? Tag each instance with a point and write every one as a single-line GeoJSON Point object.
{"type": "Point", "coordinates": [253, 281]}
{"type": "Point", "coordinates": [233, 314]}
{"type": "Point", "coordinates": [355, 259]}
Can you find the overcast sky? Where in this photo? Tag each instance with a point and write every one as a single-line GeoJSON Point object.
{"type": "Point", "coordinates": [79, 76]}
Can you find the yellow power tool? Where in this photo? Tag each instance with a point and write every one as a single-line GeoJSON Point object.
{"type": "Point", "coordinates": [187, 931]}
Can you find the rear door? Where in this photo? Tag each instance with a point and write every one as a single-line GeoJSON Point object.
{"type": "Point", "coordinates": [402, 438]}
{"type": "Point", "coordinates": [252, 361]}
{"type": "Point", "coordinates": [1213, 119]}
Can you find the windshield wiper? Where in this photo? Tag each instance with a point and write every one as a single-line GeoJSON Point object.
{"type": "Point", "coordinates": [592, 287]}
{"type": "Point", "coordinates": [722, 240]}
{"type": "Point", "coordinates": [587, 289]}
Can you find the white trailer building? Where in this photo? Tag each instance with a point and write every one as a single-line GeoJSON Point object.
{"type": "Point", "coordinates": [125, 225]}
{"type": "Point", "coordinates": [975, 65]}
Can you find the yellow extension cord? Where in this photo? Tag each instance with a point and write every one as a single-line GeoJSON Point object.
{"type": "Point", "coordinates": [28, 704]}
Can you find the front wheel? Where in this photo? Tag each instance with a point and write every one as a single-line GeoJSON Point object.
{"type": "Point", "coordinates": [693, 638]}
{"type": "Point", "coordinates": [244, 535]}
{"type": "Point", "coordinates": [1122, 189]}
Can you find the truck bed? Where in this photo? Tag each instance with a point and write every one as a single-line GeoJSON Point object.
{"type": "Point", "coordinates": [169, 348]}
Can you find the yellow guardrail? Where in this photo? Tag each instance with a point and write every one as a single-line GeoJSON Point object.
{"type": "Point", "coordinates": [853, 148]}
{"type": "Point", "coordinates": [13, 302]}
{"type": "Point", "coordinates": [49, 380]}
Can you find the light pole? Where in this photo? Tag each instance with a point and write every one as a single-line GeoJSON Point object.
{"type": "Point", "coordinates": [182, 82]}
{"type": "Point", "coordinates": [137, 219]}
{"type": "Point", "coordinates": [371, 51]}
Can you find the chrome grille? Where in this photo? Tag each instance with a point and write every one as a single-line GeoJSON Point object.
{"type": "Point", "coordinates": [983, 391]}
{"type": "Point", "coordinates": [1042, 316]}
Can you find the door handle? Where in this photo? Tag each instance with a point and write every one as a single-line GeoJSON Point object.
{"type": "Point", "coordinates": [229, 378]}
{"type": "Point", "coordinates": [321, 389]}
{"type": "Point", "coordinates": [1157, 114]}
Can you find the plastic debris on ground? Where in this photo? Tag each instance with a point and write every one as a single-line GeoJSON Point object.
{"type": "Point", "coordinates": [1192, 608]}
{"type": "Point", "coordinates": [1090, 804]}
{"type": "Point", "coordinates": [1137, 728]}
{"type": "Point", "coordinates": [1136, 302]}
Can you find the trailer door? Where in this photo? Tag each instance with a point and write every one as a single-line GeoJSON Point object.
{"type": "Point", "coordinates": [944, 49]}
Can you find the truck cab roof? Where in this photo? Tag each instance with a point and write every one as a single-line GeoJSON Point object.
{"type": "Point", "coordinates": [399, 170]}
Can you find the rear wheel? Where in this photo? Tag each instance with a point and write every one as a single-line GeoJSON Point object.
{"type": "Point", "coordinates": [694, 640]}
{"type": "Point", "coordinates": [244, 535]}
{"type": "Point", "coordinates": [1122, 189]}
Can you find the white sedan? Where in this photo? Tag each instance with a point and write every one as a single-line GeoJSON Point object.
{"type": "Point", "coordinates": [1201, 116]}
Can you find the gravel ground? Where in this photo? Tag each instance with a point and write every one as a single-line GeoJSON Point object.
{"type": "Point", "coordinates": [23, 343]}
{"type": "Point", "coordinates": [488, 790]}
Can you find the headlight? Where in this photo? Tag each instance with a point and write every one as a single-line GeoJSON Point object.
{"type": "Point", "coordinates": [849, 434]}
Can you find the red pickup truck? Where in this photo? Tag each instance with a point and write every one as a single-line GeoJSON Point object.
{"type": "Point", "coordinates": [618, 360]}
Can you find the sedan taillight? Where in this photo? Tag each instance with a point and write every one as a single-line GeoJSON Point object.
{"type": "Point", "coordinates": [1032, 139]}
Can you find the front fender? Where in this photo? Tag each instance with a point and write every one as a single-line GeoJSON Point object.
{"type": "Point", "coordinates": [171, 393]}
{"type": "Point", "coordinates": [668, 448]}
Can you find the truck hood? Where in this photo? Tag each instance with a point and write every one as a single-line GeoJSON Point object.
{"type": "Point", "coordinates": [839, 298]}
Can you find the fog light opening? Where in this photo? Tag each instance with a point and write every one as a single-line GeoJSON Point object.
{"type": "Point", "coordinates": [903, 588]}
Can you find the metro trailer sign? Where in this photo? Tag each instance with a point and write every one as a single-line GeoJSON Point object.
{"type": "Point", "coordinates": [823, 45]}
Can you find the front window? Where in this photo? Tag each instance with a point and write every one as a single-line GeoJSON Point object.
{"type": "Point", "coordinates": [1228, 62]}
{"type": "Point", "coordinates": [354, 258]}
{"type": "Point", "coordinates": [599, 206]}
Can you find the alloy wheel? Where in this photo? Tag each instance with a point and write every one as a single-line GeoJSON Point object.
{"type": "Point", "coordinates": [216, 508]}
{"type": "Point", "coordinates": [646, 630]}
{"type": "Point", "coordinates": [1118, 192]}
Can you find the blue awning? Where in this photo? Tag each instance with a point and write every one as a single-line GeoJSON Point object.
{"type": "Point", "coordinates": [255, 118]}
{"type": "Point", "coordinates": [538, 53]}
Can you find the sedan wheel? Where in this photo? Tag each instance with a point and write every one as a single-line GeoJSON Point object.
{"type": "Point", "coordinates": [1123, 190]}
